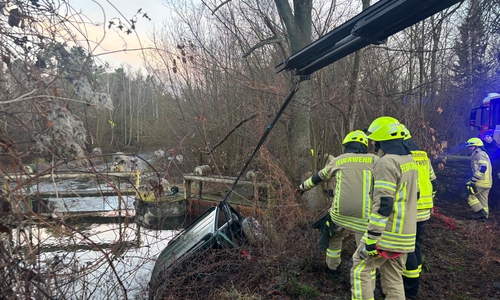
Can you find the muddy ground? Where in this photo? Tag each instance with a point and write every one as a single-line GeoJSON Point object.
{"type": "Point", "coordinates": [461, 258]}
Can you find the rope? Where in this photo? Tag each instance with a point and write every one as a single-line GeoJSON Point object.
{"type": "Point", "coordinates": [450, 223]}
{"type": "Point", "coordinates": [262, 139]}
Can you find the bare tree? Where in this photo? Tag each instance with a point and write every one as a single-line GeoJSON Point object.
{"type": "Point", "coordinates": [49, 86]}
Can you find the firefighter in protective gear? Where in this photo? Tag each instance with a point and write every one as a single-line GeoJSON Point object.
{"type": "Point", "coordinates": [493, 149]}
{"type": "Point", "coordinates": [352, 196]}
{"type": "Point", "coordinates": [427, 184]}
{"type": "Point", "coordinates": [392, 224]}
{"type": "Point", "coordinates": [480, 183]}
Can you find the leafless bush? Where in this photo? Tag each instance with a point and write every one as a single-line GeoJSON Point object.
{"type": "Point", "coordinates": [483, 239]}
{"type": "Point", "coordinates": [55, 255]}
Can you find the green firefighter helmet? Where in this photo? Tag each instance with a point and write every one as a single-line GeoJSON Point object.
{"type": "Point", "coordinates": [474, 142]}
{"type": "Point", "coordinates": [356, 136]}
{"type": "Point", "coordinates": [385, 129]}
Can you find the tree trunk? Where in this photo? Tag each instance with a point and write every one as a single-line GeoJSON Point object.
{"type": "Point", "coordinates": [436, 35]}
{"type": "Point", "coordinates": [299, 26]}
{"type": "Point", "coordinates": [421, 92]}
{"type": "Point", "coordinates": [353, 96]}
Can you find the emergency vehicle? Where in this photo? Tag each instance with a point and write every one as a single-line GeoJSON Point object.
{"type": "Point", "coordinates": [487, 117]}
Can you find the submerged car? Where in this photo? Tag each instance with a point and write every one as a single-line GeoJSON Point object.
{"type": "Point", "coordinates": [218, 227]}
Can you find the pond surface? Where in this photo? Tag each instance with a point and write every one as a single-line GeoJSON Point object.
{"type": "Point", "coordinates": [72, 195]}
{"type": "Point", "coordinates": [86, 260]}
{"type": "Point", "coordinates": [97, 261]}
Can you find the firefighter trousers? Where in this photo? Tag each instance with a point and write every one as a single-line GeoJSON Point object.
{"type": "Point", "coordinates": [334, 250]}
{"type": "Point", "coordinates": [479, 200]}
{"type": "Point", "coordinates": [363, 282]}
{"type": "Point", "coordinates": [413, 267]}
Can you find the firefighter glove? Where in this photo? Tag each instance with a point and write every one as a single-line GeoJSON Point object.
{"type": "Point", "coordinates": [471, 187]}
{"type": "Point", "coordinates": [326, 230]}
{"type": "Point", "coordinates": [371, 247]}
{"type": "Point", "coordinates": [298, 191]}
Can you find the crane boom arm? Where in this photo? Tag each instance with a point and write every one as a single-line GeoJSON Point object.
{"type": "Point", "coordinates": [372, 26]}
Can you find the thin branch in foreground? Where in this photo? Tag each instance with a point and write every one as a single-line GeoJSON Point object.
{"type": "Point", "coordinates": [230, 132]}
{"type": "Point", "coordinates": [220, 5]}
{"type": "Point", "coordinates": [270, 40]}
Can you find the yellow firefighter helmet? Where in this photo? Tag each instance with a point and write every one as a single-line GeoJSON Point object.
{"type": "Point", "coordinates": [356, 136]}
{"type": "Point", "coordinates": [385, 129]}
{"type": "Point", "coordinates": [474, 142]}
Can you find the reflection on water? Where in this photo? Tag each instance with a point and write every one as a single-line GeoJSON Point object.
{"type": "Point", "coordinates": [85, 259]}
{"type": "Point", "coordinates": [91, 204]}
{"type": "Point", "coordinates": [72, 195]}
{"type": "Point", "coordinates": [89, 261]}
{"type": "Point", "coordinates": [80, 184]}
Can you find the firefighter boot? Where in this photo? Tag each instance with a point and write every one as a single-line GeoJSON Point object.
{"type": "Point", "coordinates": [334, 274]}
{"type": "Point", "coordinates": [479, 215]}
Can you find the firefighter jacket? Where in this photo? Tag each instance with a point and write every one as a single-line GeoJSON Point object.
{"type": "Point", "coordinates": [481, 168]}
{"type": "Point", "coordinates": [425, 176]}
{"type": "Point", "coordinates": [393, 216]}
{"type": "Point", "coordinates": [352, 196]}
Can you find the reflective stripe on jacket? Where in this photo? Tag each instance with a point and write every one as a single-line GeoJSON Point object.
{"type": "Point", "coordinates": [354, 182]}
{"type": "Point", "coordinates": [396, 178]}
{"type": "Point", "coordinates": [480, 158]}
{"type": "Point", "coordinates": [425, 176]}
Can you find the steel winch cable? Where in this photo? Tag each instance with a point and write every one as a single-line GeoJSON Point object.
{"type": "Point", "coordinates": [264, 136]}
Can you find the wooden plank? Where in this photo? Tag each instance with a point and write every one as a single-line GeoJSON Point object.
{"type": "Point", "coordinates": [73, 175]}
{"type": "Point", "coordinates": [197, 207]}
{"type": "Point", "coordinates": [224, 179]}
{"type": "Point", "coordinates": [73, 194]}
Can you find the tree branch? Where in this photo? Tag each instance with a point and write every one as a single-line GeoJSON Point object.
{"type": "Point", "coordinates": [271, 26]}
{"type": "Point", "coordinates": [230, 132]}
{"type": "Point", "coordinates": [219, 6]}
{"type": "Point", "coordinates": [270, 40]}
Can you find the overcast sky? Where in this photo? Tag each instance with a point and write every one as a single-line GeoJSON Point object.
{"type": "Point", "coordinates": [115, 40]}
